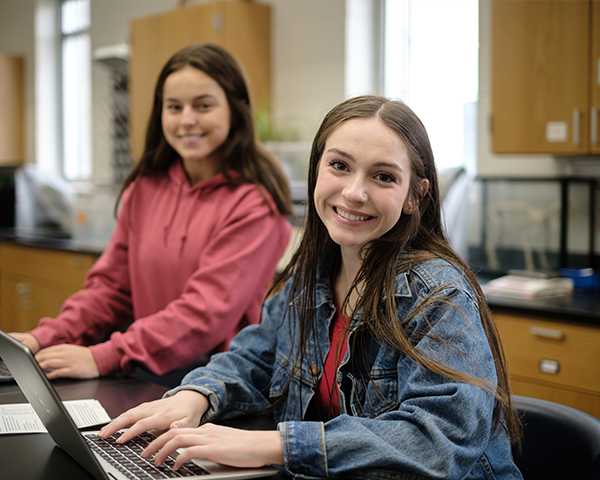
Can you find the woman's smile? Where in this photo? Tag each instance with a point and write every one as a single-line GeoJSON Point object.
{"type": "Point", "coordinates": [362, 182]}
{"type": "Point", "coordinates": [352, 217]}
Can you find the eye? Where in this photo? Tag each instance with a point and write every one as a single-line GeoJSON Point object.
{"type": "Point", "coordinates": [337, 165]}
{"type": "Point", "coordinates": [172, 107]}
{"type": "Point", "coordinates": [204, 106]}
{"type": "Point", "coordinates": [385, 177]}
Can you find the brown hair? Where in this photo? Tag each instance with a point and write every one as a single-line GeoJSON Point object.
{"type": "Point", "coordinates": [414, 238]}
{"type": "Point", "coordinates": [242, 152]}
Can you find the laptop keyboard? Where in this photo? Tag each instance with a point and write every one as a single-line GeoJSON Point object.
{"type": "Point", "coordinates": [127, 459]}
{"type": "Point", "coordinates": [4, 372]}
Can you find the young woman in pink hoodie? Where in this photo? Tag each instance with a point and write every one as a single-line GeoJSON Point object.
{"type": "Point", "coordinates": [200, 230]}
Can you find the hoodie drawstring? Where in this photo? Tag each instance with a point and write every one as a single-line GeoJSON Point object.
{"type": "Point", "coordinates": [167, 227]}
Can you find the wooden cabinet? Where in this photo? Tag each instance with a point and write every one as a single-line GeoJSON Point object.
{"type": "Point", "coordinates": [34, 283]}
{"type": "Point", "coordinates": [545, 90]}
{"type": "Point", "coordinates": [12, 137]}
{"type": "Point", "coordinates": [241, 27]}
{"type": "Point", "coordinates": [553, 360]}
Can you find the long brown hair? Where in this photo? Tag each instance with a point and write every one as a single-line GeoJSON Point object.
{"type": "Point", "coordinates": [242, 152]}
{"type": "Point", "coordinates": [414, 238]}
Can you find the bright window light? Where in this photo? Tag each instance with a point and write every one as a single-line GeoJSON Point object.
{"type": "Point", "coordinates": [76, 90]}
{"type": "Point", "coordinates": [431, 62]}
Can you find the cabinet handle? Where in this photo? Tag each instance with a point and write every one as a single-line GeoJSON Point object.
{"type": "Point", "coordinates": [594, 125]}
{"type": "Point", "coordinates": [24, 292]}
{"type": "Point", "coordinates": [546, 332]}
{"type": "Point", "coordinates": [217, 22]}
{"type": "Point", "coordinates": [549, 366]}
{"type": "Point", "coordinates": [576, 117]}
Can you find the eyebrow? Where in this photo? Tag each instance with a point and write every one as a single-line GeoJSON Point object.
{"type": "Point", "coordinates": [199, 97]}
{"type": "Point", "coordinates": [395, 166]}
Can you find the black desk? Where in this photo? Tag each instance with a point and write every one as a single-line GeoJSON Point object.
{"type": "Point", "coordinates": [36, 456]}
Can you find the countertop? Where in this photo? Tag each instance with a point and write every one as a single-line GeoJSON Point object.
{"type": "Point", "coordinates": [50, 239]}
{"type": "Point", "coordinates": [579, 307]}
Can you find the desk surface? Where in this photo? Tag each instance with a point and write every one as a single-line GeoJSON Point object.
{"type": "Point", "coordinates": [36, 456]}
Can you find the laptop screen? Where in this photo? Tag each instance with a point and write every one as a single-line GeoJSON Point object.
{"type": "Point", "coordinates": [47, 404]}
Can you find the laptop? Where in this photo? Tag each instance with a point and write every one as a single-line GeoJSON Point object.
{"type": "Point", "coordinates": [104, 460]}
{"type": "Point", "coordinates": [5, 375]}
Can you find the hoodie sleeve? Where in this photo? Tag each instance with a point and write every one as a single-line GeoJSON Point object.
{"type": "Point", "coordinates": [223, 295]}
{"type": "Point", "coordinates": [103, 305]}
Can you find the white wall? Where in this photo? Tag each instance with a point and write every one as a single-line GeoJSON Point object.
{"type": "Point", "coordinates": [110, 26]}
{"type": "Point", "coordinates": [307, 55]}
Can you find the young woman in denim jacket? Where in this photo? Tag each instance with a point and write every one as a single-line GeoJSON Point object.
{"type": "Point", "coordinates": [377, 355]}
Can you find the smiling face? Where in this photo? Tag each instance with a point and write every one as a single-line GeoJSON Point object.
{"type": "Point", "coordinates": [363, 182]}
{"type": "Point", "coordinates": [195, 119]}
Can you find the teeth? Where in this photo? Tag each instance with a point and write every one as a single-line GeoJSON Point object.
{"type": "Point", "coordinates": [353, 218]}
{"type": "Point", "coordinates": [190, 136]}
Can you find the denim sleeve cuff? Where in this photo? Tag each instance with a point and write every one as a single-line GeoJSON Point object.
{"type": "Point", "coordinates": [213, 400]}
{"type": "Point", "coordinates": [304, 450]}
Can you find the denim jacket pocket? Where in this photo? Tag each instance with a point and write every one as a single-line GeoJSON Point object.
{"type": "Point", "coordinates": [290, 405]}
{"type": "Point", "coordinates": [371, 397]}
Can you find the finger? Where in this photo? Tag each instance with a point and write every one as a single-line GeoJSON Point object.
{"type": "Point", "coordinates": [58, 373]}
{"type": "Point", "coordinates": [122, 421]}
{"type": "Point", "coordinates": [188, 455]}
{"type": "Point", "coordinates": [157, 444]}
{"type": "Point", "coordinates": [136, 429]}
{"type": "Point", "coordinates": [191, 442]}
{"type": "Point", "coordinates": [113, 427]}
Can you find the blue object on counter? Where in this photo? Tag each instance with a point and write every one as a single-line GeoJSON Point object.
{"type": "Point", "coordinates": [583, 278]}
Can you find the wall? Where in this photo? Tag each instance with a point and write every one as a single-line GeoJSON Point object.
{"type": "Point", "coordinates": [307, 55]}
{"type": "Point", "coordinates": [307, 58]}
{"type": "Point", "coordinates": [110, 26]}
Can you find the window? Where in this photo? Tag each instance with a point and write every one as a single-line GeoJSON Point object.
{"type": "Point", "coordinates": [76, 89]}
{"type": "Point", "coordinates": [430, 61]}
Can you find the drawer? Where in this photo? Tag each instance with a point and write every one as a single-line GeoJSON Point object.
{"type": "Point", "coordinates": [586, 402]}
{"type": "Point", "coordinates": [551, 351]}
{"type": "Point", "coordinates": [47, 264]}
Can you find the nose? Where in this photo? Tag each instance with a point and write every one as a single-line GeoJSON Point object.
{"type": "Point", "coordinates": [188, 116]}
{"type": "Point", "coordinates": [355, 190]}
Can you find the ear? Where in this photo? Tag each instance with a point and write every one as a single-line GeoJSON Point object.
{"type": "Point", "coordinates": [409, 206]}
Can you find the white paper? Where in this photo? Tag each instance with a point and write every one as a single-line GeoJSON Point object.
{"type": "Point", "coordinates": [21, 418]}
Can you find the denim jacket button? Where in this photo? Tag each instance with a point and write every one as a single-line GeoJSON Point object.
{"type": "Point", "coordinates": [315, 370]}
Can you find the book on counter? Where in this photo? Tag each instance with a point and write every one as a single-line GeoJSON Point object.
{"type": "Point", "coordinates": [518, 286]}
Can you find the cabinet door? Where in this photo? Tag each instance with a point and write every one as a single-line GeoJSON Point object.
{"type": "Point", "coordinates": [24, 300]}
{"type": "Point", "coordinates": [595, 79]}
{"type": "Point", "coordinates": [247, 35]}
{"type": "Point", "coordinates": [566, 355]}
{"type": "Point", "coordinates": [34, 283]}
{"type": "Point", "coordinates": [540, 76]}
{"type": "Point", "coordinates": [12, 142]}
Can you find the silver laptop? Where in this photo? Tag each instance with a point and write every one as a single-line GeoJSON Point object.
{"type": "Point", "coordinates": [5, 375]}
{"type": "Point", "coordinates": [104, 460]}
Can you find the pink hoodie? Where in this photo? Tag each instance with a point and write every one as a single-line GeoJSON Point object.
{"type": "Point", "coordinates": [192, 265]}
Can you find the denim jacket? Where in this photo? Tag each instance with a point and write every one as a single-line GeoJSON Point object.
{"type": "Point", "coordinates": [399, 419]}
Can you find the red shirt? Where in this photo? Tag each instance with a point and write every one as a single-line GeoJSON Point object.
{"type": "Point", "coordinates": [328, 394]}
